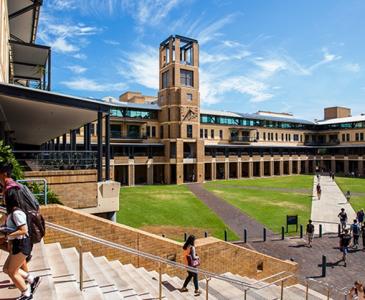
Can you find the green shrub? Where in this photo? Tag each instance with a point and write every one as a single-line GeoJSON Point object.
{"type": "Point", "coordinates": [7, 156]}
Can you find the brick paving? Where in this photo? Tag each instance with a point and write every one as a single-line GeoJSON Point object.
{"type": "Point", "coordinates": [232, 216]}
{"type": "Point", "coordinates": [310, 259]}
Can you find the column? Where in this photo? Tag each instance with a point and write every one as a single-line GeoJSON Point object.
{"type": "Point", "coordinates": [360, 166]}
{"type": "Point", "coordinates": [179, 173]}
{"type": "Point", "coordinates": [150, 171]}
{"type": "Point", "coordinates": [58, 146]}
{"type": "Point", "coordinates": [131, 172]}
{"type": "Point", "coordinates": [214, 170]}
{"type": "Point", "coordinates": [250, 169]}
{"type": "Point", "coordinates": [299, 166]}
{"type": "Point", "coordinates": [64, 142]}
{"type": "Point", "coordinates": [73, 140]}
{"type": "Point", "coordinates": [333, 165]}
{"type": "Point", "coordinates": [306, 166]}
{"type": "Point", "coordinates": [290, 164]}
{"type": "Point", "coordinates": [100, 147]}
{"type": "Point", "coordinates": [272, 167]}
{"type": "Point", "coordinates": [226, 170]}
{"type": "Point", "coordinates": [239, 169]}
{"type": "Point", "coordinates": [262, 168]}
{"type": "Point", "coordinates": [281, 168]}
{"type": "Point", "coordinates": [167, 173]}
{"type": "Point", "coordinates": [346, 166]}
{"type": "Point", "coordinates": [107, 146]}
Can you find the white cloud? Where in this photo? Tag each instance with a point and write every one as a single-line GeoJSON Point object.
{"type": "Point", "coordinates": [270, 67]}
{"type": "Point", "coordinates": [64, 37]}
{"type": "Point", "coordinates": [85, 84]}
{"type": "Point", "coordinates": [351, 67]}
{"type": "Point", "coordinates": [62, 4]}
{"type": "Point", "coordinates": [77, 69]}
{"type": "Point", "coordinates": [141, 67]}
{"type": "Point", "coordinates": [111, 42]}
{"type": "Point", "coordinates": [214, 58]}
{"type": "Point", "coordinates": [81, 56]}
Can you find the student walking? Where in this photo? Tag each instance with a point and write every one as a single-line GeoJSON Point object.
{"type": "Point", "coordinates": [191, 260]}
{"type": "Point", "coordinates": [310, 233]}
{"type": "Point", "coordinates": [343, 218]}
{"type": "Point", "coordinates": [345, 240]}
{"type": "Point", "coordinates": [319, 191]}
{"type": "Point", "coordinates": [360, 216]}
{"type": "Point", "coordinates": [19, 243]}
{"type": "Point", "coordinates": [363, 236]}
{"type": "Point", "coordinates": [355, 229]}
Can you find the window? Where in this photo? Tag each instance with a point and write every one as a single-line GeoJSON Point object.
{"type": "Point", "coordinates": [212, 133]}
{"type": "Point", "coordinates": [148, 132]}
{"type": "Point", "coordinates": [189, 131]}
{"type": "Point", "coordinates": [165, 79]}
{"type": "Point", "coordinates": [201, 133]}
{"type": "Point", "coordinates": [186, 78]}
{"type": "Point", "coordinates": [161, 132]}
{"type": "Point", "coordinates": [296, 137]}
{"type": "Point", "coordinates": [115, 132]}
{"type": "Point", "coordinates": [257, 135]}
{"type": "Point", "coordinates": [189, 97]}
{"type": "Point", "coordinates": [264, 136]}
{"type": "Point", "coordinates": [357, 137]}
{"type": "Point", "coordinates": [344, 137]}
{"type": "Point", "coordinates": [348, 137]}
{"type": "Point", "coordinates": [221, 134]}
{"type": "Point", "coordinates": [206, 133]}
{"type": "Point", "coordinates": [361, 136]}
{"type": "Point", "coordinates": [153, 131]}
{"type": "Point", "coordinates": [276, 136]}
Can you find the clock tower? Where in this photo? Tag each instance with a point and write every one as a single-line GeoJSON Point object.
{"type": "Point", "coordinates": [179, 117]}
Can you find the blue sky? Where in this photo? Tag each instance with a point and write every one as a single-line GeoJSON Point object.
{"type": "Point", "coordinates": [283, 56]}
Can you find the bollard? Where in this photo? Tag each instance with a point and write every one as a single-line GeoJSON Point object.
{"type": "Point", "coordinates": [185, 237]}
{"type": "Point", "coordinates": [339, 229]}
{"type": "Point", "coordinates": [245, 235]}
{"type": "Point", "coordinates": [324, 263]}
{"type": "Point", "coordinates": [264, 233]}
{"type": "Point", "coordinates": [282, 232]}
{"type": "Point", "coordinates": [206, 234]}
{"type": "Point", "coordinates": [225, 235]}
{"type": "Point", "coordinates": [301, 231]}
{"type": "Point", "coordinates": [320, 230]}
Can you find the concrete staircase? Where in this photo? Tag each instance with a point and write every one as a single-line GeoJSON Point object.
{"type": "Point", "coordinates": [111, 280]}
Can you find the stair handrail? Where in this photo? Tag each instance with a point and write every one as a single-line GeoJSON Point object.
{"type": "Point", "coordinates": [146, 255]}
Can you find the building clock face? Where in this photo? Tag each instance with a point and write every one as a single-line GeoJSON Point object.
{"type": "Point", "coordinates": [189, 114]}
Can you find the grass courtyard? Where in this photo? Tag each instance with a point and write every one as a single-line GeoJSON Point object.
{"type": "Point", "coordinates": [170, 210]}
{"type": "Point", "coordinates": [268, 200]}
{"type": "Point", "coordinates": [357, 188]}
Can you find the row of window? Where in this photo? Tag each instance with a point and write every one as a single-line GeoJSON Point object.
{"type": "Point", "coordinates": [210, 119]}
{"type": "Point", "coordinates": [359, 137]}
{"type": "Point", "coordinates": [287, 137]}
{"type": "Point", "coordinates": [186, 78]}
{"type": "Point", "coordinates": [133, 113]}
{"type": "Point", "coordinates": [204, 134]}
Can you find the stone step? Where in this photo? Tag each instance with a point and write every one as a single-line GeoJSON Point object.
{"type": "Point", "coordinates": [301, 290]}
{"type": "Point", "coordinates": [122, 285]}
{"type": "Point", "coordinates": [90, 289]}
{"type": "Point", "coordinates": [65, 281]}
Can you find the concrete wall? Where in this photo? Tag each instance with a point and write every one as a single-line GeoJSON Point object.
{"type": "Point", "coordinates": [4, 44]}
{"type": "Point", "coordinates": [216, 255]}
{"type": "Point", "coordinates": [75, 188]}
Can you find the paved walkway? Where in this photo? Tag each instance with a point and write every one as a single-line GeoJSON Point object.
{"type": "Point", "coordinates": [325, 210]}
{"type": "Point", "coordinates": [232, 216]}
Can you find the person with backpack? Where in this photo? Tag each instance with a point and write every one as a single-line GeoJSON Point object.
{"type": "Point", "coordinates": [360, 215]}
{"type": "Point", "coordinates": [355, 229]}
{"type": "Point", "coordinates": [343, 219]}
{"type": "Point", "coordinates": [319, 191]}
{"type": "Point", "coordinates": [19, 242]}
{"type": "Point", "coordinates": [310, 233]}
{"type": "Point", "coordinates": [345, 240]}
{"type": "Point", "coordinates": [191, 260]}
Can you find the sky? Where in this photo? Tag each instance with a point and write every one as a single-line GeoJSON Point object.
{"type": "Point", "coordinates": [273, 55]}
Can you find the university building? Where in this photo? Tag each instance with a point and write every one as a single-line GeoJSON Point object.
{"type": "Point", "coordinates": [170, 139]}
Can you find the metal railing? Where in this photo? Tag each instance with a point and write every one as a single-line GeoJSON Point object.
{"type": "Point", "coordinates": [43, 192]}
{"type": "Point", "coordinates": [56, 160]}
{"type": "Point", "coordinates": [119, 135]}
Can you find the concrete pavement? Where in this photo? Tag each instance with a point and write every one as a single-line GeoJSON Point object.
{"type": "Point", "coordinates": [326, 209]}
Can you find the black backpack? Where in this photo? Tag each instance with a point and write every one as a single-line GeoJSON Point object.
{"type": "Point", "coordinates": [35, 221]}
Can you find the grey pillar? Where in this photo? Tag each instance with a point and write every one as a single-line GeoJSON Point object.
{"type": "Point", "coordinates": [64, 142]}
{"type": "Point", "coordinates": [58, 144]}
{"type": "Point", "coordinates": [100, 146]}
{"type": "Point", "coordinates": [73, 139]}
{"type": "Point", "coordinates": [107, 147]}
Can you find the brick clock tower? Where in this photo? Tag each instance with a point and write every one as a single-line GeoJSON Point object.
{"type": "Point", "coordinates": [179, 117]}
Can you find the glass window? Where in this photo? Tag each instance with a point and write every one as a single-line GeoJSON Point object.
{"type": "Point", "coordinates": [165, 79]}
{"type": "Point", "coordinates": [189, 131]}
{"type": "Point", "coordinates": [153, 131]}
{"type": "Point", "coordinates": [186, 77]}
{"type": "Point", "coordinates": [189, 97]}
{"type": "Point", "coordinates": [206, 133]}
{"type": "Point", "coordinates": [296, 137]}
{"type": "Point", "coordinates": [201, 133]}
{"type": "Point", "coordinates": [221, 134]}
{"type": "Point", "coordinates": [148, 131]}
{"type": "Point", "coordinates": [212, 133]}
{"type": "Point", "coordinates": [161, 132]}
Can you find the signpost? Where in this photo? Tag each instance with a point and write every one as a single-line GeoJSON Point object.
{"type": "Point", "coordinates": [291, 220]}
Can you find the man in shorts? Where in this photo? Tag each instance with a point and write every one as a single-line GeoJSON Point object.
{"type": "Point", "coordinates": [310, 233]}
{"type": "Point", "coordinates": [355, 230]}
{"type": "Point", "coordinates": [343, 218]}
{"type": "Point", "coordinates": [345, 240]}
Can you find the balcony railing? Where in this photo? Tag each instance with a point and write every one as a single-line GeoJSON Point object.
{"type": "Point", "coordinates": [56, 160]}
{"type": "Point", "coordinates": [322, 143]}
{"type": "Point", "coordinates": [242, 139]}
{"type": "Point", "coordinates": [118, 135]}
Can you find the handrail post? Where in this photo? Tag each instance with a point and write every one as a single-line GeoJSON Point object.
{"type": "Point", "coordinates": [328, 293]}
{"type": "Point", "coordinates": [81, 263]}
{"type": "Point", "coordinates": [282, 290]}
{"type": "Point", "coordinates": [307, 291]}
{"type": "Point", "coordinates": [245, 296]}
{"type": "Point", "coordinates": [159, 282]}
{"type": "Point", "coordinates": [207, 288]}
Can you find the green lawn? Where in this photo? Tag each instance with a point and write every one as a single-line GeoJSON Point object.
{"type": "Point", "coordinates": [170, 210]}
{"type": "Point", "coordinates": [263, 202]}
{"type": "Point", "coordinates": [354, 185]}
